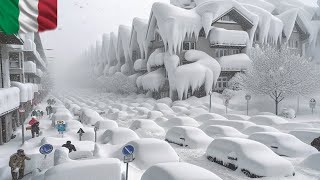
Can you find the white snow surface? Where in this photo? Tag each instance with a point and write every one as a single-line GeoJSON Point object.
{"type": "Point", "coordinates": [312, 162]}
{"type": "Point", "coordinates": [86, 170]}
{"type": "Point", "coordinates": [268, 120]}
{"type": "Point", "coordinates": [30, 67]}
{"type": "Point", "coordinates": [259, 128]}
{"type": "Point", "coordinates": [140, 65]}
{"type": "Point", "coordinates": [220, 36]}
{"type": "Point", "coordinates": [26, 91]}
{"type": "Point", "coordinates": [181, 121]}
{"type": "Point", "coordinates": [236, 62]}
{"type": "Point", "coordinates": [118, 136]}
{"type": "Point", "coordinates": [216, 131]}
{"type": "Point", "coordinates": [106, 124]}
{"type": "Point", "coordinates": [152, 81]}
{"type": "Point", "coordinates": [9, 99]}
{"type": "Point", "coordinates": [147, 125]}
{"type": "Point", "coordinates": [178, 171]}
{"type": "Point", "coordinates": [307, 135]}
{"type": "Point", "coordinates": [239, 125]}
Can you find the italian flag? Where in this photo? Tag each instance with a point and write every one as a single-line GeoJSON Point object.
{"type": "Point", "coordinates": [23, 16]}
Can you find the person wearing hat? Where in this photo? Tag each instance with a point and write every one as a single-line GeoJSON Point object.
{"type": "Point", "coordinates": [69, 146]}
{"type": "Point", "coordinates": [17, 164]}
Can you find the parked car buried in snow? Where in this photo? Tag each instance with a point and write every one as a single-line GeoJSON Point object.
{"type": "Point", "coordinates": [147, 125]}
{"type": "Point", "coordinates": [254, 159]}
{"type": "Point", "coordinates": [216, 131]}
{"type": "Point", "coordinates": [268, 120]}
{"type": "Point", "coordinates": [190, 137]}
{"type": "Point", "coordinates": [284, 144]}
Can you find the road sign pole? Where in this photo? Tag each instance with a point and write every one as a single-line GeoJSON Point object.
{"type": "Point", "coordinates": [247, 107]}
{"type": "Point", "coordinates": [127, 171]}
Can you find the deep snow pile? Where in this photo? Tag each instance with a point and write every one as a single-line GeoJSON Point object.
{"type": "Point", "coordinates": [152, 81]}
{"type": "Point", "coordinates": [118, 136]}
{"type": "Point", "coordinates": [259, 128]}
{"type": "Point", "coordinates": [26, 91]}
{"type": "Point", "coordinates": [268, 120]}
{"type": "Point", "coordinates": [235, 62]}
{"type": "Point", "coordinates": [181, 121]}
{"type": "Point", "coordinates": [86, 169]}
{"type": "Point", "coordinates": [9, 99]}
{"type": "Point", "coordinates": [220, 36]}
{"type": "Point", "coordinates": [204, 70]}
{"type": "Point", "coordinates": [147, 126]}
{"type": "Point", "coordinates": [178, 171]}
{"type": "Point", "coordinates": [216, 131]}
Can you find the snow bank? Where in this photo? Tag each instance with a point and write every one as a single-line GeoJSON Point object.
{"type": "Point", "coordinates": [149, 152]}
{"type": "Point", "coordinates": [207, 116]}
{"type": "Point", "coordinates": [283, 144]}
{"type": "Point", "coordinates": [178, 171]}
{"type": "Point", "coordinates": [9, 99]}
{"type": "Point", "coordinates": [220, 36]}
{"type": "Point", "coordinates": [312, 162]}
{"type": "Point", "coordinates": [267, 120]}
{"type": "Point", "coordinates": [61, 156]}
{"type": "Point", "coordinates": [166, 100]}
{"type": "Point", "coordinates": [164, 108]}
{"type": "Point", "coordinates": [147, 126]}
{"type": "Point", "coordinates": [86, 169]}
{"type": "Point", "coordinates": [190, 137]}
{"type": "Point", "coordinates": [118, 136]}
{"type": "Point", "coordinates": [154, 114]}
{"type": "Point", "coordinates": [106, 124]}
{"type": "Point", "coordinates": [204, 70]}
{"type": "Point", "coordinates": [216, 131]}
{"type": "Point", "coordinates": [239, 125]}
{"type": "Point", "coordinates": [73, 125]}
{"type": "Point", "coordinates": [154, 80]}
{"type": "Point", "coordinates": [259, 128]}
{"type": "Point", "coordinates": [181, 121]}
{"type": "Point", "coordinates": [80, 155]}
{"type": "Point", "coordinates": [236, 62]}
{"type": "Point", "coordinates": [249, 156]}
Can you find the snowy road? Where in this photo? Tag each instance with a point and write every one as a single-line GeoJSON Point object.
{"type": "Point", "coordinates": [125, 110]}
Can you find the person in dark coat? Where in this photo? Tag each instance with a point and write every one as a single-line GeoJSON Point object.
{"type": "Point", "coordinates": [69, 146]}
{"type": "Point", "coordinates": [35, 129]}
{"type": "Point", "coordinates": [316, 143]}
{"type": "Point", "coordinates": [34, 113]}
{"type": "Point", "coordinates": [17, 164]}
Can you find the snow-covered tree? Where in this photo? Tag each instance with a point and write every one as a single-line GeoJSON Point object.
{"type": "Point", "coordinates": [279, 73]}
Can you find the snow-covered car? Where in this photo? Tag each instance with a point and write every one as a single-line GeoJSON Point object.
{"type": "Point", "coordinates": [75, 109]}
{"type": "Point", "coordinates": [106, 124]}
{"type": "Point", "coordinates": [178, 171]}
{"type": "Point", "coordinates": [208, 116]}
{"type": "Point", "coordinates": [268, 120]}
{"type": "Point", "coordinates": [312, 162]}
{"type": "Point", "coordinates": [252, 158]}
{"type": "Point", "coordinates": [147, 125]}
{"type": "Point", "coordinates": [64, 116]}
{"type": "Point", "coordinates": [150, 151]}
{"type": "Point", "coordinates": [181, 121]}
{"type": "Point", "coordinates": [239, 125]}
{"type": "Point", "coordinates": [283, 144]}
{"type": "Point", "coordinates": [306, 135]}
{"type": "Point", "coordinates": [187, 136]}
{"type": "Point", "coordinates": [164, 108]}
{"type": "Point", "coordinates": [216, 131]}
{"type": "Point", "coordinates": [259, 128]}
{"type": "Point", "coordinates": [89, 116]}
{"type": "Point", "coordinates": [237, 117]}
{"type": "Point", "coordinates": [118, 136]}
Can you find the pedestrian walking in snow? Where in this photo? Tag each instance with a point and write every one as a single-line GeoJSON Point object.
{"type": "Point", "coordinates": [70, 146]}
{"type": "Point", "coordinates": [316, 143]}
{"type": "Point", "coordinates": [35, 129]}
{"type": "Point", "coordinates": [41, 114]}
{"type": "Point", "coordinates": [17, 164]}
{"type": "Point", "coordinates": [34, 113]}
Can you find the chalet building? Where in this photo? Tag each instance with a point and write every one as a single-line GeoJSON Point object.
{"type": "Point", "coordinates": [22, 66]}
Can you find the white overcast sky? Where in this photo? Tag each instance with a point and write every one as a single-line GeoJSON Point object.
{"type": "Point", "coordinates": [82, 22]}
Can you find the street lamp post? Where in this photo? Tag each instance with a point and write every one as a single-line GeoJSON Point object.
{"type": "Point", "coordinates": [95, 133]}
{"type": "Point", "coordinates": [248, 98]}
{"type": "Point", "coordinates": [312, 104]}
{"type": "Point", "coordinates": [226, 103]}
{"type": "Point", "coordinates": [210, 101]}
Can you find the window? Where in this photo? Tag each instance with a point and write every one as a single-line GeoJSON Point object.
{"type": "Point", "coordinates": [222, 83]}
{"type": "Point", "coordinates": [158, 37]}
{"type": "Point", "coordinates": [226, 18]}
{"type": "Point", "coordinates": [236, 51]}
{"type": "Point", "coordinates": [188, 46]}
{"type": "Point", "coordinates": [202, 33]}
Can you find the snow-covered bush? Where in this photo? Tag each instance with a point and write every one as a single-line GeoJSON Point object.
{"type": "Point", "coordinates": [288, 113]}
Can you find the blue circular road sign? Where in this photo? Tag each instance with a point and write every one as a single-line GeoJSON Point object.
{"type": "Point", "coordinates": [128, 150]}
{"type": "Point", "coordinates": [46, 149]}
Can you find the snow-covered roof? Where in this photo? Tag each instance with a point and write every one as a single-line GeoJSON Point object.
{"type": "Point", "coordinates": [138, 35]}
{"type": "Point", "coordinates": [259, 3]}
{"type": "Point", "coordinates": [105, 47]}
{"type": "Point", "coordinates": [140, 65]}
{"type": "Point", "coordinates": [9, 99]}
{"type": "Point", "coordinates": [124, 33]}
{"type": "Point", "coordinates": [236, 62]}
{"type": "Point", "coordinates": [30, 67]}
{"type": "Point", "coordinates": [223, 37]}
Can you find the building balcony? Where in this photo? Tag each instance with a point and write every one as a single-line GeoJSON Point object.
{"type": "Point", "coordinates": [30, 67]}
